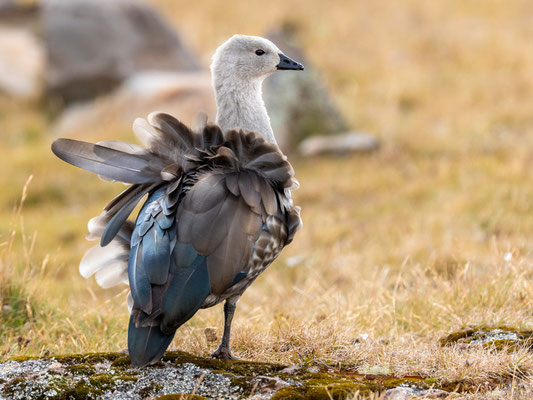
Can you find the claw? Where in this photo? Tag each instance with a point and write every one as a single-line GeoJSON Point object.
{"type": "Point", "coordinates": [224, 353]}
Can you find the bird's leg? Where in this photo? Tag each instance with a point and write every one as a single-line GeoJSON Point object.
{"type": "Point", "coordinates": [223, 350]}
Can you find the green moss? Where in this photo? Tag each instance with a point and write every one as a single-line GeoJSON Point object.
{"type": "Point", "coordinates": [13, 386]}
{"type": "Point", "coordinates": [71, 359]}
{"type": "Point", "coordinates": [96, 385]}
{"type": "Point", "coordinates": [289, 393]}
{"type": "Point", "coordinates": [81, 369]}
{"type": "Point", "coordinates": [60, 385]}
{"type": "Point", "coordinates": [235, 366]}
{"type": "Point", "coordinates": [456, 336]}
{"type": "Point", "coordinates": [456, 386]}
{"type": "Point", "coordinates": [80, 391]}
{"type": "Point", "coordinates": [413, 382]}
{"type": "Point", "coordinates": [92, 358]}
{"type": "Point", "coordinates": [245, 382]}
{"type": "Point", "coordinates": [121, 362]}
{"type": "Point", "coordinates": [102, 381]}
{"type": "Point", "coordinates": [341, 385]}
{"type": "Point", "coordinates": [149, 390]}
{"type": "Point", "coordinates": [21, 358]}
{"type": "Point", "coordinates": [336, 392]}
{"type": "Point", "coordinates": [319, 378]}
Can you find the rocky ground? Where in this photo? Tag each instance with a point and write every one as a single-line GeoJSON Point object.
{"type": "Point", "coordinates": [182, 375]}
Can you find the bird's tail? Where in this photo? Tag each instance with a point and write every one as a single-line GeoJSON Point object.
{"type": "Point", "coordinates": [108, 261]}
{"type": "Point", "coordinates": [146, 344]}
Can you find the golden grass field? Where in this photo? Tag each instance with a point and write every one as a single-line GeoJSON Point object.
{"type": "Point", "coordinates": [428, 235]}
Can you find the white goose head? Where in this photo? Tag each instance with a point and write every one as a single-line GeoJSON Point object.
{"type": "Point", "coordinates": [250, 57]}
{"type": "Point", "coordinates": [238, 69]}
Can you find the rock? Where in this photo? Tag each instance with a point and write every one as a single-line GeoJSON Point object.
{"type": "Point", "coordinates": [407, 393]}
{"type": "Point", "coordinates": [56, 368]}
{"type": "Point", "coordinates": [6, 308]}
{"type": "Point", "coordinates": [180, 94]}
{"type": "Point", "coordinates": [17, 13]}
{"type": "Point", "coordinates": [293, 369]}
{"type": "Point", "coordinates": [499, 337]}
{"type": "Point", "coordinates": [343, 144]}
{"type": "Point", "coordinates": [298, 103]}
{"type": "Point", "coordinates": [295, 260]}
{"type": "Point", "coordinates": [211, 335]}
{"type": "Point", "coordinates": [94, 45]}
{"type": "Point", "coordinates": [400, 393]}
{"type": "Point", "coordinates": [268, 384]}
{"type": "Point", "coordinates": [22, 62]}
{"type": "Point", "coordinates": [111, 376]}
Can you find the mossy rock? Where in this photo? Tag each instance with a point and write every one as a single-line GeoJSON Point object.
{"type": "Point", "coordinates": [82, 369]}
{"type": "Point", "coordinates": [234, 366]}
{"type": "Point", "coordinates": [148, 390]}
{"type": "Point", "coordinates": [91, 358]}
{"type": "Point", "coordinates": [497, 337]}
{"type": "Point", "coordinates": [91, 375]}
{"type": "Point", "coordinates": [80, 391]}
{"type": "Point", "coordinates": [13, 386]}
{"type": "Point", "coordinates": [121, 362]}
{"type": "Point", "coordinates": [342, 385]}
{"type": "Point", "coordinates": [289, 393]}
{"type": "Point", "coordinates": [70, 359]}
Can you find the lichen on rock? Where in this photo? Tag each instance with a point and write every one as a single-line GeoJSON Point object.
{"type": "Point", "coordinates": [111, 376]}
{"type": "Point", "coordinates": [499, 337]}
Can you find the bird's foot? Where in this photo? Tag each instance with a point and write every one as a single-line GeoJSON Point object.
{"type": "Point", "coordinates": [224, 353]}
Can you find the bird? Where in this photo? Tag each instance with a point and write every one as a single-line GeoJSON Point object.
{"type": "Point", "coordinates": [218, 208]}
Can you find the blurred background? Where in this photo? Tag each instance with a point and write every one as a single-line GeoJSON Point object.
{"type": "Point", "coordinates": [411, 132]}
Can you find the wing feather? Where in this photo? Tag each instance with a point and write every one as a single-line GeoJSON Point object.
{"type": "Point", "coordinates": [108, 162]}
{"type": "Point", "coordinates": [120, 217]}
{"type": "Point", "coordinates": [225, 231]}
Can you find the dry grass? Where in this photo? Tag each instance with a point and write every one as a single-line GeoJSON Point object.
{"type": "Point", "coordinates": [428, 235]}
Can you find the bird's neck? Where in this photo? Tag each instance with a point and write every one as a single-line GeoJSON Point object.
{"type": "Point", "coordinates": [240, 106]}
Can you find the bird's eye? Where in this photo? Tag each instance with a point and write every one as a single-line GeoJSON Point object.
{"type": "Point", "coordinates": [260, 52]}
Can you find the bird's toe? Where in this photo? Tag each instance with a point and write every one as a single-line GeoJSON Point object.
{"type": "Point", "coordinates": [223, 353]}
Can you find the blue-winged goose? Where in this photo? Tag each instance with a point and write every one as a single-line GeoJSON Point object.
{"type": "Point", "coordinates": [219, 207]}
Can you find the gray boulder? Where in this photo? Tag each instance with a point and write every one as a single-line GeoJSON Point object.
{"type": "Point", "coordinates": [92, 46]}
{"type": "Point", "coordinates": [410, 393]}
{"type": "Point", "coordinates": [342, 144]}
{"type": "Point", "coordinates": [298, 103]}
{"type": "Point", "coordinates": [17, 13]}
{"type": "Point", "coordinates": [22, 62]}
{"type": "Point", "coordinates": [183, 95]}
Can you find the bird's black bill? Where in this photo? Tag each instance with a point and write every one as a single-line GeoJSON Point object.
{"type": "Point", "coordinates": [286, 63]}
